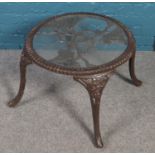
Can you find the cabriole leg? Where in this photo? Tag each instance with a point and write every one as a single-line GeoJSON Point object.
{"type": "Point", "coordinates": [23, 64]}
{"type": "Point", "coordinates": [95, 85]}
{"type": "Point", "coordinates": [136, 82]}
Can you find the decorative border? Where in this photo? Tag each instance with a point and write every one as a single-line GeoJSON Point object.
{"type": "Point", "coordinates": [125, 56]}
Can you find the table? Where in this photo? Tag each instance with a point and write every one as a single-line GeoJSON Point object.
{"type": "Point", "coordinates": [87, 46]}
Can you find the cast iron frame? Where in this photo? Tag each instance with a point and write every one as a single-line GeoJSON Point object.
{"type": "Point", "coordinates": [93, 79]}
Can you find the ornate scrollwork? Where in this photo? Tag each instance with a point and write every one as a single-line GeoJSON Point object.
{"type": "Point", "coordinates": [94, 84]}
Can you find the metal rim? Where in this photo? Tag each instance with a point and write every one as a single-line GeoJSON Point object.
{"type": "Point", "coordinates": [111, 65]}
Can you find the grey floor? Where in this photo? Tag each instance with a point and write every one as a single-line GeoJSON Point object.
{"type": "Point", "coordinates": [55, 113]}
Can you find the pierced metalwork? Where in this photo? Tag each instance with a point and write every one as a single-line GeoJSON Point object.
{"type": "Point", "coordinates": [93, 78]}
{"type": "Point", "coordinates": [95, 85]}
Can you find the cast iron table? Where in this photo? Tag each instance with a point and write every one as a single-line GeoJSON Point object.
{"type": "Point", "coordinates": [87, 46]}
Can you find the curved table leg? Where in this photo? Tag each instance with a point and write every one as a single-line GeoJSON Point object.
{"type": "Point", "coordinates": [95, 85]}
{"type": "Point", "coordinates": [23, 64]}
{"type": "Point", "coordinates": [136, 82]}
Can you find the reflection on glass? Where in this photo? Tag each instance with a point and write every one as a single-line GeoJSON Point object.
{"type": "Point", "coordinates": [80, 41]}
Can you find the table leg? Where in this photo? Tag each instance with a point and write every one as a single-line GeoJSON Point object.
{"type": "Point", "coordinates": [136, 82]}
{"type": "Point", "coordinates": [95, 85]}
{"type": "Point", "coordinates": [24, 61]}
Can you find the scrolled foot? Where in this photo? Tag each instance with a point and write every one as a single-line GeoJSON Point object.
{"type": "Point", "coordinates": [12, 103]}
{"type": "Point", "coordinates": [137, 82]}
{"type": "Point", "coordinates": [99, 142]}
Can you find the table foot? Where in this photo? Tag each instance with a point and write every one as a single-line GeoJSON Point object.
{"type": "Point", "coordinates": [99, 142]}
{"type": "Point", "coordinates": [95, 85]}
{"type": "Point", "coordinates": [135, 81]}
{"type": "Point", "coordinates": [23, 64]}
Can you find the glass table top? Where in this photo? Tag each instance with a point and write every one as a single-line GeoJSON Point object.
{"type": "Point", "coordinates": [80, 41]}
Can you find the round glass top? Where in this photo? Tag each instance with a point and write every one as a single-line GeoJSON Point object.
{"type": "Point", "coordinates": [80, 41]}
